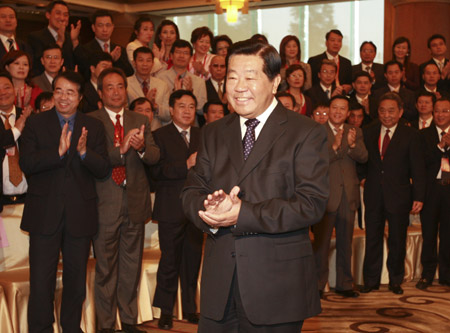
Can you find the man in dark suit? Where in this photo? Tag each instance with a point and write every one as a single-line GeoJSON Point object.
{"type": "Point", "coordinates": [215, 85]}
{"type": "Point", "coordinates": [368, 52]}
{"type": "Point", "coordinates": [62, 151]}
{"type": "Point", "coordinates": [8, 25]}
{"type": "Point", "coordinates": [393, 71]}
{"type": "Point", "coordinates": [321, 93]}
{"type": "Point", "coordinates": [438, 48]}
{"type": "Point", "coordinates": [124, 205]}
{"type": "Point", "coordinates": [91, 99]}
{"type": "Point", "coordinates": [435, 215]}
{"type": "Point", "coordinates": [57, 14]}
{"type": "Point", "coordinates": [344, 66]}
{"type": "Point", "coordinates": [103, 27]}
{"type": "Point", "coordinates": [180, 241]}
{"type": "Point", "coordinates": [346, 148]}
{"type": "Point", "coordinates": [424, 104]}
{"type": "Point", "coordinates": [395, 158]}
{"type": "Point", "coordinates": [254, 193]}
{"type": "Point", "coordinates": [52, 61]}
{"type": "Point", "coordinates": [361, 94]}
{"type": "Point", "coordinates": [12, 181]}
{"type": "Point", "coordinates": [430, 78]}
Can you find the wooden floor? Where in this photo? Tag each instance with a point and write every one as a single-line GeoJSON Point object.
{"type": "Point", "coordinates": [377, 312]}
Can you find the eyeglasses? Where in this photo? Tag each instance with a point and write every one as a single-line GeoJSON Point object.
{"type": "Point", "coordinates": [317, 113]}
{"type": "Point", "coordinates": [296, 76]}
{"type": "Point", "coordinates": [324, 71]}
{"type": "Point", "coordinates": [70, 93]}
{"type": "Point", "coordinates": [442, 111]}
{"type": "Point", "coordinates": [50, 57]}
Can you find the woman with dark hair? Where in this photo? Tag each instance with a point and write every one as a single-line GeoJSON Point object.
{"type": "Point", "coordinates": [401, 51]}
{"type": "Point", "coordinates": [142, 35]}
{"type": "Point", "coordinates": [290, 53]}
{"type": "Point", "coordinates": [221, 44]}
{"type": "Point", "coordinates": [295, 78]}
{"type": "Point", "coordinates": [201, 39]}
{"type": "Point", "coordinates": [18, 64]}
{"type": "Point", "coordinates": [166, 34]}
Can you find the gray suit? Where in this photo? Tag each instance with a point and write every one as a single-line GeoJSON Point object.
{"type": "Point", "coordinates": [343, 201]}
{"type": "Point", "coordinates": [122, 214]}
{"type": "Point", "coordinates": [42, 82]}
{"type": "Point", "coordinates": [134, 90]}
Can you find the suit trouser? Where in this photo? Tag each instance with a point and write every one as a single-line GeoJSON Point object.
{"type": "Point", "coordinates": [373, 259]}
{"type": "Point", "coordinates": [435, 216]}
{"type": "Point", "coordinates": [44, 258]}
{"type": "Point", "coordinates": [118, 249]}
{"type": "Point", "coordinates": [235, 319]}
{"type": "Point", "coordinates": [181, 251]}
{"type": "Point", "coordinates": [343, 221]}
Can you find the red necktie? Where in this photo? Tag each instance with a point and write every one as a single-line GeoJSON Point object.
{"type": "Point", "coordinates": [118, 173]}
{"type": "Point", "coordinates": [424, 123]}
{"type": "Point", "coordinates": [385, 145]}
{"type": "Point", "coordinates": [106, 47]}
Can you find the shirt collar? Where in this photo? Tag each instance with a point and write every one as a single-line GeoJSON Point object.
{"type": "Point", "coordinates": [112, 115]}
{"type": "Point", "coordinates": [439, 130]}
{"type": "Point", "coordinates": [13, 111]}
{"type": "Point", "coordinates": [391, 88]}
{"type": "Point", "coordinates": [103, 43]}
{"type": "Point", "coordinates": [331, 57]}
{"type": "Point", "coordinates": [182, 129]}
{"type": "Point", "coordinates": [333, 127]}
{"type": "Point", "coordinates": [391, 130]}
{"type": "Point", "coordinates": [53, 32]}
{"type": "Point", "coordinates": [263, 116]}
{"type": "Point", "coordinates": [330, 88]}
{"type": "Point", "coordinates": [4, 39]}
{"type": "Point", "coordinates": [62, 119]}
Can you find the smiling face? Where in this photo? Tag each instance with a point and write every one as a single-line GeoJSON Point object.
{"type": "Point", "coordinates": [338, 112]}
{"type": "Point", "coordinates": [389, 113]}
{"type": "Point", "coordinates": [66, 97]}
{"type": "Point", "coordinates": [183, 111]}
{"type": "Point", "coordinates": [19, 68]}
{"type": "Point", "coordinates": [181, 57]}
{"type": "Point", "coordinates": [58, 17]}
{"type": "Point", "coordinates": [114, 92]}
{"type": "Point", "coordinates": [442, 114]}
{"type": "Point", "coordinates": [401, 50]}
{"type": "Point", "coordinates": [291, 50]}
{"type": "Point", "coordinates": [7, 95]}
{"type": "Point", "coordinates": [249, 90]}
{"type": "Point", "coordinates": [145, 33]}
{"type": "Point", "coordinates": [52, 61]}
{"type": "Point", "coordinates": [103, 28]}
{"type": "Point", "coordinates": [202, 45]}
{"type": "Point", "coordinates": [367, 53]}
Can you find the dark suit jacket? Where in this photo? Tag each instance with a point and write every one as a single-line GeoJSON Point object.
{"type": "Point", "coordinates": [38, 40]}
{"type": "Point", "coordinates": [433, 155]}
{"type": "Point", "coordinates": [212, 95]}
{"type": "Point", "coordinates": [171, 171]}
{"type": "Point", "coordinates": [282, 195]}
{"type": "Point", "coordinates": [389, 178]}
{"type": "Point", "coordinates": [22, 46]}
{"type": "Point", "coordinates": [409, 102]}
{"type": "Point", "coordinates": [86, 51]}
{"type": "Point", "coordinates": [373, 108]}
{"type": "Point", "coordinates": [7, 141]}
{"type": "Point", "coordinates": [345, 68]}
{"type": "Point", "coordinates": [443, 85]}
{"type": "Point", "coordinates": [317, 95]}
{"type": "Point", "coordinates": [378, 70]}
{"type": "Point", "coordinates": [61, 189]}
{"type": "Point", "coordinates": [42, 82]}
{"type": "Point", "coordinates": [415, 123]}
{"type": "Point", "coordinates": [90, 98]}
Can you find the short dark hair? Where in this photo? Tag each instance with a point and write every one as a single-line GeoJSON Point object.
{"type": "Point", "coordinates": [138, 24]}
{"type": "Point", "coordinates": [73, 77]}
{"type": "Point", "coordinates": [355, 106]}
{"type": "Point", "coordinates": [212, 102]}
{"type": "Point", "coordinates": [284, 42]}
{"type": "Point", "coordinates": [392, 63]}
{"type": "Point", "coordinates": [107, 71]}
{"type": "Point", "coordinates": [5, 74]}
{"type": "Point", "coordinates": [443, 99]}
{"type": "Point", "coordinates": [10, 7]}
{"type": "Point", "coordinates": [220, 38]}
{"type": "Point", "coordinates": [334, 31]}
{"type": "Point", "coordinates": [340, 97]}
{"type": "Point", "coordinates": [142, 49]}
{"type": "Point", "coordinates": [370, 43]}
{"type": "Point", "coordinates": [198, 33]}
{"type": "Point", "coordinates": [259, 38]}
{"type": "Point", "coordinates": [269, 55]}
{"type": "Point", "coordinates": [52, 5]}
{"type": "Point", "coordinates": [361, 74]}
{"type": "Point", "coordinates": [159, 29]}
{"type": "Point", "coordinates": [432, 63]}
{"type": "Point", "coordinates": [101, 13]}
{"type": "Point", "coordinates": [329, 63]}
{"type": "Point", "coordinates": [296, 67]}
{"type": "Point", "coordinates": [139, 101]}
{"type": "Point", "coordinates": [285, 94]}
{"type": "Point", "coordinates": [43, 96]}
{"type": "Point", "coordinates": [181, 43]}
{"type": "Point", "coordinates": [427, 94]}
{"type": "Point", "coordinates": [392, 96]}
{"type": "Point", "coordinates": [177, 94]}
{"type": "Point", "coordinates": [51, 46]}
{"type": "Point", "coordinates": [98, 57]}
{"type": "Point", "coordinates": [321, 105]}
{"type": "Point", "coordinates": [433, 37]}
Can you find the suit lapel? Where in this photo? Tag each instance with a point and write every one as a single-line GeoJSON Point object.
{"type": "Point", "coordinates": [374, 143]}
{"type": "Point", "coordinates": [270, 133]}
{"type": "Point", "coordinates": [232, 132]}
{"type": "Point", "coordinates": [108, 124]}
{"type": "Point", "coordinates": [77, 126]}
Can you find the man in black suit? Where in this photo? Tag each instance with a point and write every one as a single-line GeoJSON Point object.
{"type": "Point", "coordinates": [395, 158]}
{"type": "Point", "coordinates": [12, 181]}
{"type": "Point", "coordinates": [435, 215]}
{"type": "Point", "coordinates": [8, 25]}
{"type": "Point", "coordinates": [431, 77]}
{"type": "Point", "coordinates": [361, 94]}
{"type": "Point", "coordinates": [254, 193]}
{"type": "Point", "coordinates": [344, 66]}
{"type": "Point", "coordinates": [62, 151]}
{"type": "Point", "coordinates": [215, 86]}
{"type": "Point", "coordinates": [57, 14]}
{"type": "Point", "coordinates": [103, 27]}
{"type": "Point", "coordinates": [438, 48]}
{"type": "Point", "coordinates": [180, 241]}
{"type": "Point", "coordinates": [52, 61]}
{"type": "Point", "coordinates": [91, 99]}
{"type": "Point", "coordinates": [321, 93]}
{"type": "Point", "coordinates": [424, 104]}
{"type": "Point", "coordinates": [393, 71]}
{"type": "Point", "coordinates": [367, 52]}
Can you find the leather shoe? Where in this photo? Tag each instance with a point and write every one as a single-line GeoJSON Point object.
{"type": "Point", "coordinates": [165, 322]}
{"type": "Point", "coordinates": [127, 328]}
{"type": "Point", "coordinates": [367, 289]}
{"type": "Point", "coordinates": [347, 293]}
{"type": "Point", "coordinates": [191, 317]}
{"type": "Point", "coordinates": [396, 289]}
{"type": "Point", "coordinates": [423, 283]}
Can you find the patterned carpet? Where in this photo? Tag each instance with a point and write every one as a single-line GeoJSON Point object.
{"type": "Point", "coordinates": [380, 311]}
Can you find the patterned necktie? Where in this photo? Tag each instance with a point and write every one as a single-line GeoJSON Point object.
{"type": "Point", "coordinates": [184, 135]}
{"type": "Point", "coordinates": [219, 91]}
{"type": "Point", "coordinates": [118, 173]}
{"type": "Point", "coordinates": [368, 69]}
{"type": "Point", "coordinates": [249, 137]}
{"type": "Point", "coordinates": [15, 174]}
{"type": "Point", "coordinates": [385, 145]}
{"type": "Point", "coordinates": [106, 47]}
{"type": "Point", "coordinates": [11, 44]}
{"type": "Point", "coordinates": [145, 87]}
